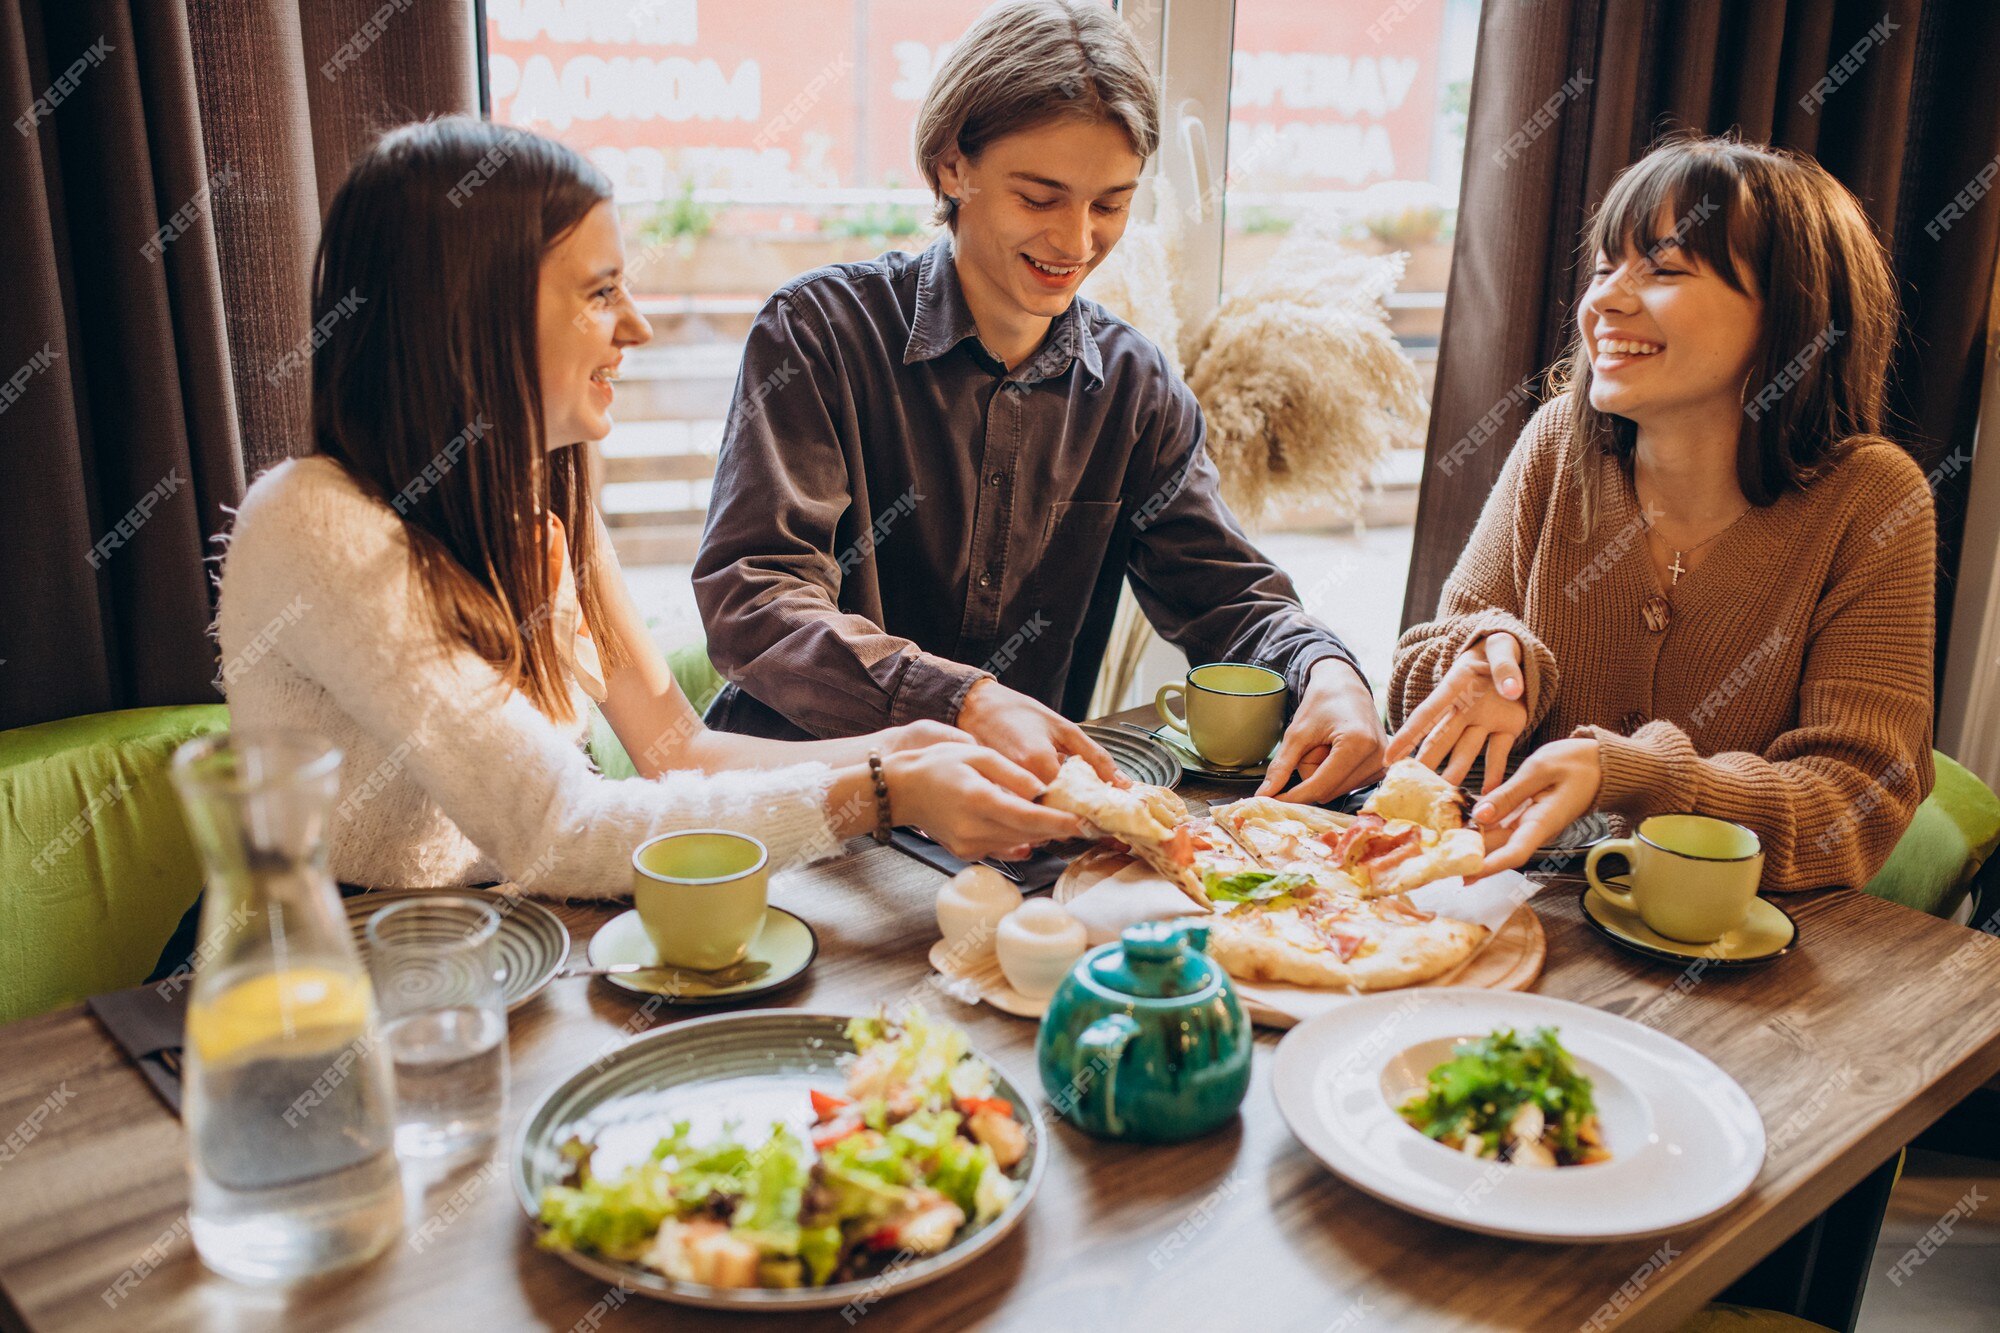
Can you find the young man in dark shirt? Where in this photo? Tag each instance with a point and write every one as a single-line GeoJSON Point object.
{"type": "Point", "coordinates": [940, 467]}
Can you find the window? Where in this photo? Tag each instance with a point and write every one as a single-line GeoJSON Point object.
{"type": "Point", "coordinates": [749, 142]}
{"type": "Point", "coordinates": [1352, 115]}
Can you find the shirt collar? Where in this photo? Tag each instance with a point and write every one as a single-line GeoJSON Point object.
{"type": "Point", "coordinates": [943, 320]}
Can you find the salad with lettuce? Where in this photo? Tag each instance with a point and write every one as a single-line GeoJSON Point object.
{"type": "Point", "coordinates": [1512, 1099]}
{"type": "Point", "coordinates": [917, 1151]}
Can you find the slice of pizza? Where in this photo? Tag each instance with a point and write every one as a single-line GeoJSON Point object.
{"type": "Point", "coordinates": [1365, 854]}
{"type": "Point", "coordinates": [1133, 817]}
{"type": "Point", "coordinates": [1413, 792]}
{"type": "Point", "coordinates": [1217, 857]}
{"type": "Point", "coordinates": [1287, 837]}
{"type": "Point", "coordinates": [1387, 856]}
{"type": "Point", "coordinates": [1329, 940]}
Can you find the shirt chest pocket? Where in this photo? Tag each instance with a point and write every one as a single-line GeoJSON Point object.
{"type": "Point", "coordinates": [1080, 522]}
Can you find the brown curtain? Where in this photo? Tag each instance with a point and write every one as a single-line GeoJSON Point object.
{"type": "Point", "coordinates": [1907, 122]}
{"type": "Point", "coordinates": [160, 197]}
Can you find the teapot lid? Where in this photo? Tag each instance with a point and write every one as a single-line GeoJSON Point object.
{"type": "Point", "coordinates": [1155, 960]}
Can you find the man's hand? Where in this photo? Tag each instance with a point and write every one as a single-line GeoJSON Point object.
{"type": "Point", "coordinates": [1335, 742]}
{"type": "Point", "coordinates": [1554, 787]}
{"type": "Point", "coordinates": [1031, 734]}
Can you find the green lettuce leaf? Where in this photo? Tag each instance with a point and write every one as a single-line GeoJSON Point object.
{"type": "Point", "coordinates": [1252, 886]}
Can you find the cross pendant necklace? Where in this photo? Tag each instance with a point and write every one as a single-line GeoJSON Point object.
{"type": "Point", "coordinates": [1676, 567]}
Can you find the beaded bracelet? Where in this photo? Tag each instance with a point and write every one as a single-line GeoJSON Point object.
{"type": "Point", "coordinates": [883, 823]}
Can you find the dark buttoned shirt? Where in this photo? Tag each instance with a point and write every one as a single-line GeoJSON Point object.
{"type": "Point", "coordinates": [896, 515]}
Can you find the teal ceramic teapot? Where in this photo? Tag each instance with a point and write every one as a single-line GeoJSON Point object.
{"type": "Point", "coordinates": [1146, 1038]}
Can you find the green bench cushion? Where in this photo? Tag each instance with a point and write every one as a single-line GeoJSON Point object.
{"type": "Point", "coordinates": [96, 862]}
{"type": "Point", "coordinates": [1953, 832]}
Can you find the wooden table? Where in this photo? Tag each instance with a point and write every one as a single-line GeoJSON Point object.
{"type": "Point", "coordinates": [1880, 1021]}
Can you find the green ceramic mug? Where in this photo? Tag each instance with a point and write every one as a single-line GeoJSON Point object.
{"type": "Point", "coordinates": [1692, 876]}
{"type": "Point", "coordinates": [1235, 712]}
{"type": "Point", "coordinates": [701, 895]}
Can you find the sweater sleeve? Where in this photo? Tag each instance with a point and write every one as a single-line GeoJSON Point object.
{"type": "Point", "coordinates": [1487, 588]}
{"type": "Point", "coordinates": [497, 767]}
{"type": "Point", "coordinates": [1830, 797]}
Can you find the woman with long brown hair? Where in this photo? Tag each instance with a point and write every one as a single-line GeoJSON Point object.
{"type": "Point", "coordinates": [1703, 581]}
{"type": "Point", "coordinates": [432, 587]}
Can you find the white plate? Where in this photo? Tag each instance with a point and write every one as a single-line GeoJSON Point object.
{"type": "Point", "coordinates": [1686, 1140]}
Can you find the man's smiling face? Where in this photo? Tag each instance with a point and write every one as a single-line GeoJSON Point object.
{"type": "Point", "coordinates": [1038, 210]}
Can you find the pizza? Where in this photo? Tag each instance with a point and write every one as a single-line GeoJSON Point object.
{"type": "Point", "coordinates": [1411, 791]}
{"type": "Point", "coordinates": [1309, 936]}
{"type": "Point", "coordinates": [1389, 856]}
{"type": "Point", "coordinates": [1295, 893]}
{"type": "Point", "coordinates": [1286, 836]}
{"type": "Point", "coordinates": [1141, 817]}
{"type": "Point", "coordinates": [1371, 855]}
{"type": "Point", "coordinates": [1205, 844]}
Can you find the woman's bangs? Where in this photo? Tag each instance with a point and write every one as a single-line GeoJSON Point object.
{"type": "Point", "coordinates": [1692, 200]}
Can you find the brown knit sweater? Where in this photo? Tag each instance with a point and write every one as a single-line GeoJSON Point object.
{"type": "Point", "coordinates": [1790, 689]}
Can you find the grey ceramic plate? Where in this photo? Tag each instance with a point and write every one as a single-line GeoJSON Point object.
{"type": "Point", "coordinates": [532, 944]}
{"type": "Point", "coordinates": [755, 1067]}
{"type": "Point", "coordinates": [1580, 837]}
{"type": "Point", "coordinates": [1139, 756]}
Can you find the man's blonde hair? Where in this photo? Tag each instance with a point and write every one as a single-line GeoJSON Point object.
{"type": "Point", "coordinates": [1025, 63]}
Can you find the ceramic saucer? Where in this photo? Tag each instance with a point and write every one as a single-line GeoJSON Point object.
{"type": "Point", "coordinates": [1767, 932]}
{"type": "Point", "coordinates": [1177, 740]}
{"type": "Point", "coordinates": [785, 942]}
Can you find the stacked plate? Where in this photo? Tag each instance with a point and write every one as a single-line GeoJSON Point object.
{"type": "Point", "coordinates": [1139, 756]}
{"type": "Point", "coordinates": [530, 948]}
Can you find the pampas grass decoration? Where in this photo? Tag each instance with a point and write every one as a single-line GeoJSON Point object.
{"type": "Point", "coordinates": [1303, 387]}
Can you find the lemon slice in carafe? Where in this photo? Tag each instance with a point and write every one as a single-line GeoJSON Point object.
{"type": "Point", "coordinates": [297, 1011]}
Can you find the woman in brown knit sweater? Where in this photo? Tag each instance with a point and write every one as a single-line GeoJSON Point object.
{"type": "Point", "coordinates": [1703, 581]}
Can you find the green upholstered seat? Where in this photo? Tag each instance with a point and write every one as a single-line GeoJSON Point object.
{"type": "Point", "coordinates": [698, 680]}
{"type": "Point", "coordinates": [95, 862]}
{"type": "Point", "coordinates": [1952, 833]}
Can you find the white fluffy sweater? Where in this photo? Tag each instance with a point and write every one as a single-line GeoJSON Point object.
{"type": "Point", "coordinates": [450, 776]}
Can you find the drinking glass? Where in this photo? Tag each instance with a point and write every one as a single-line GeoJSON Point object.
{"type": "Point", "coordinates": [444, 1020]}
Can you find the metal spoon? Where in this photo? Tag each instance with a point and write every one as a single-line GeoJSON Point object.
{"type": "Point", "coordinates": [735, 974]}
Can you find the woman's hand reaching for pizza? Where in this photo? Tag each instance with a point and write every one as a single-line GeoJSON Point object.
{"type": "Point", "coordinates": [973, 800]}
{"type": "Point", "coordinates": [1554, 787]}
{"type": "Point", "coordinates": [1476, 708]}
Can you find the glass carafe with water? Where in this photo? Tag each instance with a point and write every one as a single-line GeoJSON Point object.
{"type": "Point", "coordinates": [287, 1093]}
